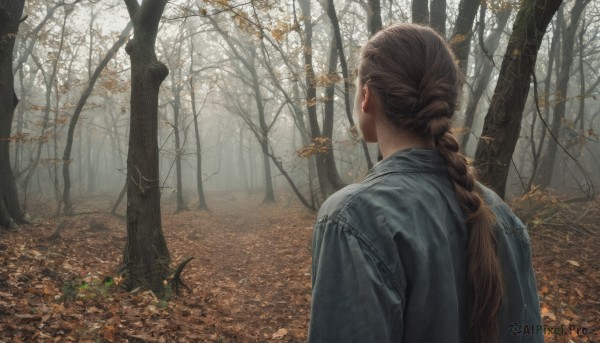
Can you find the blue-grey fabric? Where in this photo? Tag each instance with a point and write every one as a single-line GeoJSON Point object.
{"type": "Point", "coordinates": [390, 260]}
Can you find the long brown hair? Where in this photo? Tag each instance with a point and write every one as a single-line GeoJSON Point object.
{"type": "Point", "coordinates": [413, 73]}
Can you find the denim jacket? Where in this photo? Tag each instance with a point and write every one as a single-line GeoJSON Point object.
{"type": "Point", "coordinates": [390, 260]}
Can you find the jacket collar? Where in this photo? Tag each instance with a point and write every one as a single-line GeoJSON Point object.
{"type": "Point", "coordinates": [412, 160]}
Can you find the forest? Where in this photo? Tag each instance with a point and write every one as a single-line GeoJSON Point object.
{"type": "Point", "coordinates": [162, 162]}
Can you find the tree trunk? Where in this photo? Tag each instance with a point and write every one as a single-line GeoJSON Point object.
{"type": "Point", "coordinates": [552, 57]}
{"type": "Point", "coordinates": [199, 184]}
{"type": "Point", "coordinates": [375, 24]}
{"type": "Point", "coordinates": [10, 17]}
{"type": "Point", "coordinates": [119, 199]}
{"type": "Point", "coordinates": [146, 258]}
{"type": "Point", "coordinates": [91, 172]}
{"type": "Point", "coordinates": [461, 35]}
{"type": "Point", "coordinates": [484, 74]}
{"type": "Point", "coordinates": [176, 104]}
{"type": "Point", "coordinates": [502, 124]}
{"type": "Point", "coordinates": [201, 199]}
{"type": "Point", "coordinates": [77, 112]}
{"type": "Point", "coordinates": [301, 197]}
{"type": "Point", "coordinates": [437, 16]}
{"type": "Point", "coordinates": [420, 12]}
{"type": "Point", "coordinates": [55, 156]}
{"type": "Point", "coordinates": [582, 92]}
{"type": "Point", "coordinates": [304, 129]}
{"type": "Point", "coordinates": [269, 195]}
{"type": "Point", "coordinates": [562, 84]}
{"type": "Point", "coordinates": [374, 16]}
{"type": "Point", "coordinates": [330, 8]}
{"type": "Point", "coordinates": [26, 90]}
{"type": "Point", "coordinates": [327, 158]}
{"type": "Point", "coordinates": [311, 98]}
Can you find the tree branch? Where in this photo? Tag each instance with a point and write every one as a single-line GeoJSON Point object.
{"type": "Point", "coordinates": [132, 7]}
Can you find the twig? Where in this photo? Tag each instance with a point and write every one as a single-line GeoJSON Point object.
{"type": "Point", "coordinates": [176, 280]}
{"type": "Point", "coordinates": [56, 234]}
{"type": "Point", "coordinates": [583, 215]}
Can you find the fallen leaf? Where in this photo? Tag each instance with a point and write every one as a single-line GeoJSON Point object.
{"type": "Point", "coordinates": [280, 333]}
{"type": "Point", "coordinates": [25, 316]}
{"type": "Point", "coordinates": [575, 263]}
{"type": "Point", "coordinates": [547, 313]}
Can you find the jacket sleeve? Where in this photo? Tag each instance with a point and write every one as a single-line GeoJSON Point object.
{"type": "Point", "coordinates": [353, 299]}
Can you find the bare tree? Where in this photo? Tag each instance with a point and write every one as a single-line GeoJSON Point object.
{"type": "Point", "coordinates": [10, 18]}
{"type": "Point", "coordinates": [177, 85]}
{"type": "Point", "coordinates": [328, 177]}
{"type": "Point", "coordinates": [562, 84]}
{"type": "Point", "coordinates": [68, 208]}
{"type": "Point", "coordinates": [195, 113]}
{"type": "Point", "coordinates": [484, 71]}
{"type": "Point", "coordinates": [49, 81]}
{"type": "Point", "coordinates": [536, 149]}
{"type": "Point", "coordinates": [503, 121]}
{"type": "Point", "coordinates": [248, 60]}
{"type": "Point", "coordinates": [332, 14]}
{"type": "Point", "coordinates": [146, 258]}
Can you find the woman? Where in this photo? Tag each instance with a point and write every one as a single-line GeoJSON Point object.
{"type": "Point", "coordinates": [418, 251]}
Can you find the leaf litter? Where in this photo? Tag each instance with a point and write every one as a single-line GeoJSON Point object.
{"type": "Point", "coordinates": [250, 279]}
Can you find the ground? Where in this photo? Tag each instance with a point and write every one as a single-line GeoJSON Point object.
{"type": "Point", "coordinates": [250, 279]}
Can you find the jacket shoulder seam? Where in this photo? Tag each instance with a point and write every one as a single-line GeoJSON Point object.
{"type": "Point", "coordinates": [395, 280]}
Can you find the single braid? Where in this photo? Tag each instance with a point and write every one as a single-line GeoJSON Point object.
{"type": "Point", "coordinates": [412, 70]}
{"type": "Point", "coordinates": [484, 269]}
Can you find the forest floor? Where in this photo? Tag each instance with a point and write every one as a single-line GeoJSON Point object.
{"type": "Point", "coordinates": [250, 279]}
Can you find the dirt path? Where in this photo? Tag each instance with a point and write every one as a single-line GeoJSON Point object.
{"type": "Point", "coordinates": [256, 269]}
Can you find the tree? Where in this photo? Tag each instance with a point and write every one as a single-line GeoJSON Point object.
{"type": "Point", "coordinates": [503, 121]}
{"type": "Point", "coordinates": [420, 12]}
{"type": "Point", "coordinates": [176, 88]}
{"type": "Point", "coordinates": [484, 71]}
{"type": "Point", "coordinates": [461, 35]}
{"type": "Point", "coordinates": [567, 50]}
{"type": "Point", "coordinates": [328, 178]}
{"type": "Point", "coordinates": [374, 16]}
{"type": "Point", "coordinates": [553, 56]}
{"type": "Point", "coordinates": [437, 16]}
{"type": "Point", "coordinates": [248, 60]}
{"type": "Point", "coordinates": [146, 258]}
{"type": "Point", "coordinates": [27, 43]}
{"type": "Point", "coordinates": [50, 78]}
{"type": "Point", "coordinates": [195, 113]}
{"type": "Point", "coordinates": [10, 18]}
{"type": "Point", "coordinates": [434, 16]}
{"type": "Point", "coordinates": [77, 112]}
{"type": "Point", "coordinates": [332, 14]}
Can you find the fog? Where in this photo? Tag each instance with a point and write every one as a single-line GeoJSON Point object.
{"type": "Point", "coordinates": [224, 50]}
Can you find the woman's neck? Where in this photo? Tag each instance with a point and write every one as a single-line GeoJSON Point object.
{"type": "Point", "coordinates": [392, 140]}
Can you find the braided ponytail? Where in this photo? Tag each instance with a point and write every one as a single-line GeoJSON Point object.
{"type": "Point", "coordinates": [484, 271]}
{"type": "Point", "coordinates": [412, 69]}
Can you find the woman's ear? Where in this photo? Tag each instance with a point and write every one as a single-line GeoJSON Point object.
{"type": "Point", "coordinates": [366, 99]}
{"type": "Point", "coordinates": [367, 114]}
{"type": "Point", "coordinates": [369, 104]}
